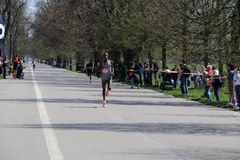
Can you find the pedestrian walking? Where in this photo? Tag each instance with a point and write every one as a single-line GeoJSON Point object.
{"type": "Point", "coordinates": [106, 73]}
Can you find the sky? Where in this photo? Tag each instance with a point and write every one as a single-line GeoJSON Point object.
{"type": "Point", "coordinates": [31, 9]}
{"type": "Point", "coordinates": [31, 5]}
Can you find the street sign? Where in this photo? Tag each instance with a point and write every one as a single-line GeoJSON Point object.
{"type": "Point", "coordinates": [2, 28]}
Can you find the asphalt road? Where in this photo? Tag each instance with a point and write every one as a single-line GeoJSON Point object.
{"type": "Point", "coordinates": [57, 114]}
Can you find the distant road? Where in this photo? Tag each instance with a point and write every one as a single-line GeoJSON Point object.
{"type": "Point", "coordinates": [57, 114]}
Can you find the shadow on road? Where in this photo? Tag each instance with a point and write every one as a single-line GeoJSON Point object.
{"type": "Point", "coordinates": [150, 128]}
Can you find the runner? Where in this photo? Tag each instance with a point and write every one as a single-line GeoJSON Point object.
{"type": "Point", "coordinates": [34, 64]}
{"type": "Point", "coordinates": [89, 71]}
{"type": "Point", "coordinates": [106, 72]}
{"type": "Point", "coordinates": [54, 64]}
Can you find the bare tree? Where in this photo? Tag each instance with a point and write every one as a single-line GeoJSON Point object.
{"type": "Point", "coordinates": [12, 11]}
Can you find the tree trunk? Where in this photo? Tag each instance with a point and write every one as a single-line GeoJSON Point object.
{"type": "Point", "coordinates": [70, 63]}
{"type": "Point", "coordinates": [164, 55]}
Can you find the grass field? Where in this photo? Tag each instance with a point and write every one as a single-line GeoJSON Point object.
{"type": "Point", "coordinates": [196, 94]}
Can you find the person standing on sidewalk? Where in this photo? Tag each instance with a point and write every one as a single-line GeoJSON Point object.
{"type": "Point", "coordinates": [106, 73]}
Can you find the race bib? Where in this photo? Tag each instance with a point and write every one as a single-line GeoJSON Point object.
{"type": "Point", "coordinates": [105, 71]}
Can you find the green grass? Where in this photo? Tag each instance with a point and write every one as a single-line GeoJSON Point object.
{"type": "Point", "coordinates": [197, 95]}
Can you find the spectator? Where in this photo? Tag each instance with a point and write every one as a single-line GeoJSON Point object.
{"type": "Point", "coordinates": [22, 66]}
{"type": "Point", "coordinates": [166, 78]}
{"type": "Point", "coordinates": [195, 77]}
{"type": "Point", "coordinates": [133, 78]}
{"type": "Point", "coordinates": [216, 83]}
{"type": "Point", "coordinates": [175, 75]}
{"type": "Point", "coordinates": [231, 86]}
{"type": "Point", "coordinates": [155, 72]}
{"type": "Point", "coordinates": [207, 74]}
{"type": "Point", "coordinates": [16, 62]}
{"type": "Point", "coordinates": [146, 73]}
{"type": "Point", "coordinates": [136, 68]}
{"type": "Point", "coordinates": [237, 86]}
{"type": "Point", "coordinates": [5, 65]}
{"type": "Point", "coordinates": [141, 74]}
{"type": "Point", "coordinates": [184, 78]}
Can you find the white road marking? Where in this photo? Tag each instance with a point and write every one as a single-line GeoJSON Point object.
{"type": "Point", "coordinates": [54, 151]}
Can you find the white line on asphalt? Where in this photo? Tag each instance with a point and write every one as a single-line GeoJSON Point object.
{"type": "Point", "coordinates": [54, 151]}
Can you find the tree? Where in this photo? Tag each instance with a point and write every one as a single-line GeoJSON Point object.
{"type": "Point", "coordinates": [12, 12]}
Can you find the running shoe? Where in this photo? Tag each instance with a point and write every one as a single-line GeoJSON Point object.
{"type": "Point", "coordinates": [235, 108]}
{"type": "Point", "coordinates": [104, 104]}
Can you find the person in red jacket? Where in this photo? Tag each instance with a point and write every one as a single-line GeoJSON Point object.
{"type": "Point", "coordinates": [16, 62]}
